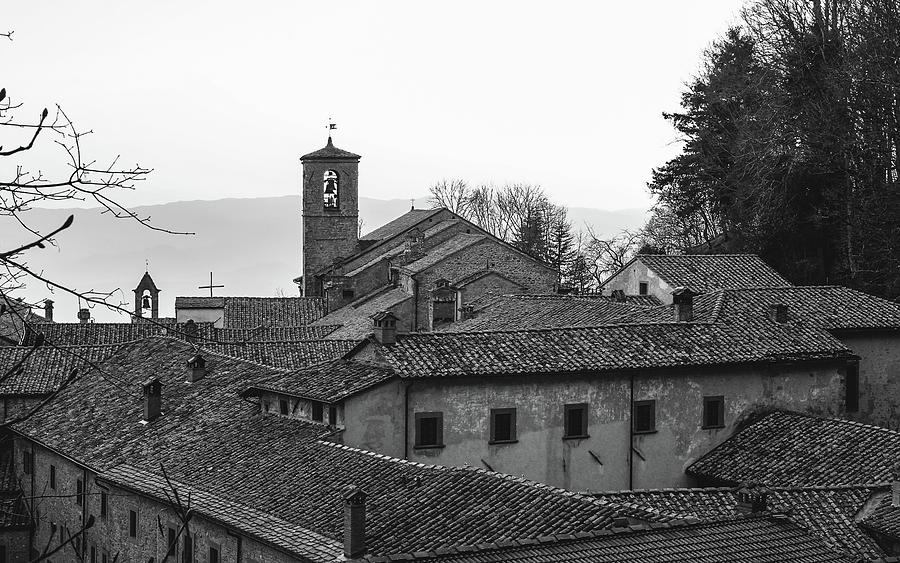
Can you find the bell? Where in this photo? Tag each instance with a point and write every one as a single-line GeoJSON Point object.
{"type": "Point", "coordinates": [145, 302]}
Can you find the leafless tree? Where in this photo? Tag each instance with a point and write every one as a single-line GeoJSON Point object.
{"type": "Point", "coordinates": [606, 256]}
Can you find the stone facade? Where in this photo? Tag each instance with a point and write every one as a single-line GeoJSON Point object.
{"type": "Point", "coordinates": [329, 233]}
{"type": "Point", "coordinates": [378, 418]}
{"type": "Point", "coordinates": [58, 514]}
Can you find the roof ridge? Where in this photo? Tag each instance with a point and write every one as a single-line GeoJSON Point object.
{"type": "Point", "coordinates": [560, 328]}
{"type": "Point", "coordinates": [735, 488]}
{"type": "Point", "coordinates": [827, 418]}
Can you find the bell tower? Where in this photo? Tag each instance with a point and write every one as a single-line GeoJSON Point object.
{"type": "Point", "coordinates": [330, 211]}
{"type": "Point", "coordinates": [146, 297]}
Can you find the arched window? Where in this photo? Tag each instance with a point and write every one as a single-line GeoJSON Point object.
{"type": "Point", "coordinates": [330, 190]}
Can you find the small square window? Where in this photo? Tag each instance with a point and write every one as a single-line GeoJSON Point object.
{"type": "Point", "coordinates": [332, 415]}
{"type": "Point", "coordinates": [104, 504]}
{"type": "Point", "coordinates": [644, 416]}
{"type": "Point", "coordinates": [27, 462]}
{"type": "Point", "coordinates": [79, 492]}
{"type": "Point", "coordinates": [187, 553]}
{"type": "Point", "coordinates": [429, 429]}
{"type": "Point", "coordinates": [213, 555]}
{"type": "Point", "coordinates": [93, 554]}
{"type": "Point", "coordinates": [317, 412]}
{"type": "Point", "coordinates": [104, 557]}
{"type": "Point", "coordinates": [851, 388]}
{"type": "Point", "coordinates": [576, 423]}
{"type": "Point", "coordinates": [714, 412]}
{"type": "Point", "coordinates": [132, 523]}
{"type": "Point", "coordinates": [503, 425]}
{"type": "Point", "coordinates": [284, 406]}
{"type": "Point", "coordinates": [642, 288]}
{"type": "Point", "coordinates": [53, 477]}
{"type": "Point", "coordinates": [267, 406]}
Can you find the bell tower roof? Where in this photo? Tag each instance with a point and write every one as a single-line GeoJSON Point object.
{"type": "Point", "coordinates": [146, 283]}
{"type": "Point", "coordinates": [330, 152]}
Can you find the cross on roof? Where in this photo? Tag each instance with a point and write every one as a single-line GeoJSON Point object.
{"type": "Point", "coordinates": [210, 286]}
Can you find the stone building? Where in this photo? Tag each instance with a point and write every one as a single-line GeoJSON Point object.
{"type": "Point", "coordinates": [620, 406]}
{"type": "Point", "coordinates": [660, 274]}
{"type": "Point", "coordinates": [113, 447]}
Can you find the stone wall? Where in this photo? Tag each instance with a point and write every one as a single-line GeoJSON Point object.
{"type": "Point", "coordinates": [600, 461]}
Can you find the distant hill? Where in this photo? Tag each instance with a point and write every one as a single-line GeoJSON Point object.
{"type": "Point", "coordinates": [252, 245]}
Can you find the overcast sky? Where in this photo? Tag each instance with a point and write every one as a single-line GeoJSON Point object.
{"type": "Point", "coordinates": [221, 98]}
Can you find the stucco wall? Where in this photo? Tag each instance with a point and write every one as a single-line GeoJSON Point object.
{"type": "Point", "coordinates": [215, 316]}
{"type": "Point", "coordinates": [16, 544]}
{"type": "Point", "coordinates": [374, 420]}
{"type": "Point", "coordinates": [601, 461]}
{"type": "Point", "coordinates": [628, 280]}
{"type": "Point", "coordinates": [879, 376]}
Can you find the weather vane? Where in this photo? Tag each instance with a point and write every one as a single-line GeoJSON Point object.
{"type": "Point", "coordinates": [210, 287]}
{"type": "Point", "coordinates": [331, 126]}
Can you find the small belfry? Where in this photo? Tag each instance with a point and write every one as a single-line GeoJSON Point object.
{"type": "Point", "coordinates": [146, 297]}
{"type": "Point", "coordinates": [330, 210]}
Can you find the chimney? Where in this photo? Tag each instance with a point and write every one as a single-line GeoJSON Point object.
{"type": "Point", "coordinates": [778, 312]}
{"type": "Point", "coordinates": [354, 522]}
{"type": "Point", "coordinates": [48, 309]}
{"type": "Point", "coordinates": [196, 368]}
{"type": "Point", "coordinates": [752, 499]}
{"type": "Point", "coordinates": [683, 299]}
{"type": "Point", "coordinates": [385, 327]}
{"type": "Point", "coordinates": [152, 399]}
{"type": "Point", "coordinates": [84, 316]}
{"type": "Point", "coordinates": [618, 296]}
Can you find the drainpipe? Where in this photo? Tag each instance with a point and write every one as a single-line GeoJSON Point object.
{"type": "Point", "coordinates": [84, 503]}
{"type": "Point", "coordinates": [415, 326]}
{"type": "Point", "coordinates": [240, 544]}
{"type": "Point", "coordinates": [34, 525]}
{"type": "Point", "coordinates": [406, 386]}
{"type": "Point", "coordinates": [631, 433]}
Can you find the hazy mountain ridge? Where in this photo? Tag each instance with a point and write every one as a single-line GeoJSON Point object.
{"type": "Point", "coordinates": [251, 245]}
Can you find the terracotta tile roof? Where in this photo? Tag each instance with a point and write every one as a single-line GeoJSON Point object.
{"type": "Point", "coordinates": [613, 347]}
{"type": "Point", "coordinates": [884, 518]}
{"type": "Point", "coordinates": [329, 382]}
{"type": "Point", "coordinates": [44, 369]}
{"type": "Point", "coordinates": [444, 250]}
{"type": "Point", "coordinates": [827, 512]}
{"type": "Point", "coordinates": [273, 333]}
{"type": "Point", "coordinates": [278, 466]}
{"type": "Point", "coordinates": [401, 224]}
{"type": "Point", "coordinates": [514, 312]}
{"type": "Point", "coordinates": [766, 539]}
{"type": "Point", "coordinates": [356, 318]}
{"type": "Point", "coordinates": [330, 152]}
{"type": "Point", "coordinates": [265, 527]}
{"type": "Point", "coordinates": [705, 272]}
{"type": "Point", "coordinates": [100, 334]}
{"type": "Point", "coordinates": [787, 449]}
{"type": "Point", "coordinates": [284, 355]}
{"type": "Point", "coordinates": [252, 312]}
{"type": "Point", "coordinates": [14, 318]}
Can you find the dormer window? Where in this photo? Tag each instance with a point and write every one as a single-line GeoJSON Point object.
{"type": "Point", "coordinates": [330, 190]}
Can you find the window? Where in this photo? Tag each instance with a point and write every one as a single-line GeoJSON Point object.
{"type": "Point", "coordinates": [348, 294]}
{"type": "Point", "coordinates": [429, 429]}
{"type": "Point", "coordinates": [642, 288]}
{"type": "Point", "coordinates": [27, 462]}
{"type": "Point", "coordinates": [187, 555]}
{"type": "Point", "coordinates": [576, 421]}
{"type": "Point", "coordinates": [93, 554]}
{"type": "Point", "coordinates": [213, 555]}
{"type": "Point", "coordinates": [104, 504]}
{"type": "Point", "coordinates": [267, 406]}
{"type": "Point", "coordinates": [172, 539]}
{"type": "Point", "coordinates": [644, 416]}
{"type": "Point", "coordinates": [332, 415]}
{"type": "Point", "coordinates": [79, 492]}
{"type": "Point", "coordinates": [104, 557]}
{"type": "Point", "coordinates": [713, 412]}
{"type": "Point", "coordinates": [3, 554]}
{"type": "Point", "coordinates": [53, 477]}
{"type": "Point", "coordinates": [132, 523]}
{"type": "Point", "coordinates": [503, 425]}
{"type": "Point", "coordinates": [851, 398]}
{"type": "Point", "coordinates": [317, 411]}
{"type": "Point", "coordinates": [330, 190]}
{"type": "Point", "coordinates": [284, 407]}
